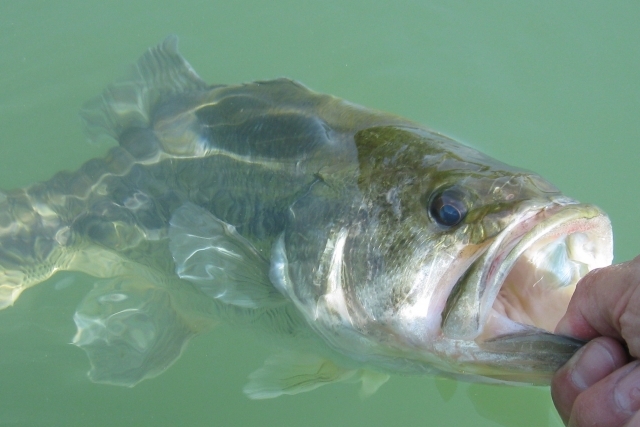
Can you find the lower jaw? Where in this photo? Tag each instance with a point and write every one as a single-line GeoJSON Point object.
{"type": "Point", "coordinates": [539, 284]}
{"type": "Point", "coordinates": [524, 303]}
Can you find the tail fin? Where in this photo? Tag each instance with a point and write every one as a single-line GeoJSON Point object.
{"type": "Point", "coordinates": [31, 244]}
{"type": "Point", "coordinates": [35, 241]}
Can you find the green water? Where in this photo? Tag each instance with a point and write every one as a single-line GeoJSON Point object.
{"type": "Point", "coordinates": [552, 86]}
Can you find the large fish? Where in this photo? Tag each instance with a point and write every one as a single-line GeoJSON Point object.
{"type": "Point", "coordinates": [360, 243]}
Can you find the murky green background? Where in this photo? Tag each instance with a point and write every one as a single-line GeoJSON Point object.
{"type": "Point", "coordinates": [553, 86]}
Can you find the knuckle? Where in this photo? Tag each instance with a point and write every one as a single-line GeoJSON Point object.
{"type": "Point", "coordinates": [629, 325]}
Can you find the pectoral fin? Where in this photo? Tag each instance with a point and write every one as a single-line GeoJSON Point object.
{"type": "Point", "coordinates": [133, 328]}
{"type": "Point", "coordinates": [224, 265]}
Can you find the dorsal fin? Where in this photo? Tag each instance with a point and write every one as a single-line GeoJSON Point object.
{"type": "Point", "coordinates": [160, 72]}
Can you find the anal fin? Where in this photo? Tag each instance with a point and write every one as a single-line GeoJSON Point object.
{"type": "Point", "coordinates": [133, 327]}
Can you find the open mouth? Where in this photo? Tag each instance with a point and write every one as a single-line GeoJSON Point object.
{"type": "Point", "coordinates": [524, 280]}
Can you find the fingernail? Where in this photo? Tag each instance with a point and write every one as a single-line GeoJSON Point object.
{"type": "Point", "coordinates": [627, 391]}
{"type": "Point", "coordinates": [594, 362]}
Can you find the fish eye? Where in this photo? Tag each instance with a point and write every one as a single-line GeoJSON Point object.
{"type": "Point", "coordinates": [447, 207]}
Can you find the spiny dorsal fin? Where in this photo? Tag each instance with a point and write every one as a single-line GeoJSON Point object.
{"type": "Point", "coordinates": [160, 72]}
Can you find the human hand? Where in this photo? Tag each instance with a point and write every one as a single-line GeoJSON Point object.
{"type": "Point", "coordinates": [600, 385]}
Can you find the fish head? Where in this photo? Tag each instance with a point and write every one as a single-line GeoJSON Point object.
{"type": "Point", "coordinates": [442, 259]}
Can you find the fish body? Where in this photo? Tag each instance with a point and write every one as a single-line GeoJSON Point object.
{"type": "Point", "coordinates": [363, 243]}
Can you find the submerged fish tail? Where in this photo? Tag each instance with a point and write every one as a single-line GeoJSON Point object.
{"type": "Point", "coordinates": [109, 205]}
{"type": "Point", "coordinates": [31, 240]}
{"type": "Point", "coordinates": [88, 221]}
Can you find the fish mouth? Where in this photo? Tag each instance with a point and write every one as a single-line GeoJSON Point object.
{"type": "Point", "coordinates": [520, 286]}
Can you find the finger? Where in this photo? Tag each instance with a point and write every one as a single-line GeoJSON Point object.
{"type": "Point", "coordinates": [610, 402]}
{"type": "Point", "coordinates": [634, 421]}
{"type": "Point", "coordinates": [590, 364]}
{"type": "Point", "coordinates": [606, 302]}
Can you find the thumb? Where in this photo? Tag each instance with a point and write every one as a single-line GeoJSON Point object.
{"type": "Point", "coordinates": [606, 302]}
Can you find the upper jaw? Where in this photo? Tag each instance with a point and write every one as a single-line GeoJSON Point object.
{"type": "Point", "coordinates": [537, 258]}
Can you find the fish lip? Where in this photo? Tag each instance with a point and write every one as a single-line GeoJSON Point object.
{"type": "Point", "coordinates": [469, 305]}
